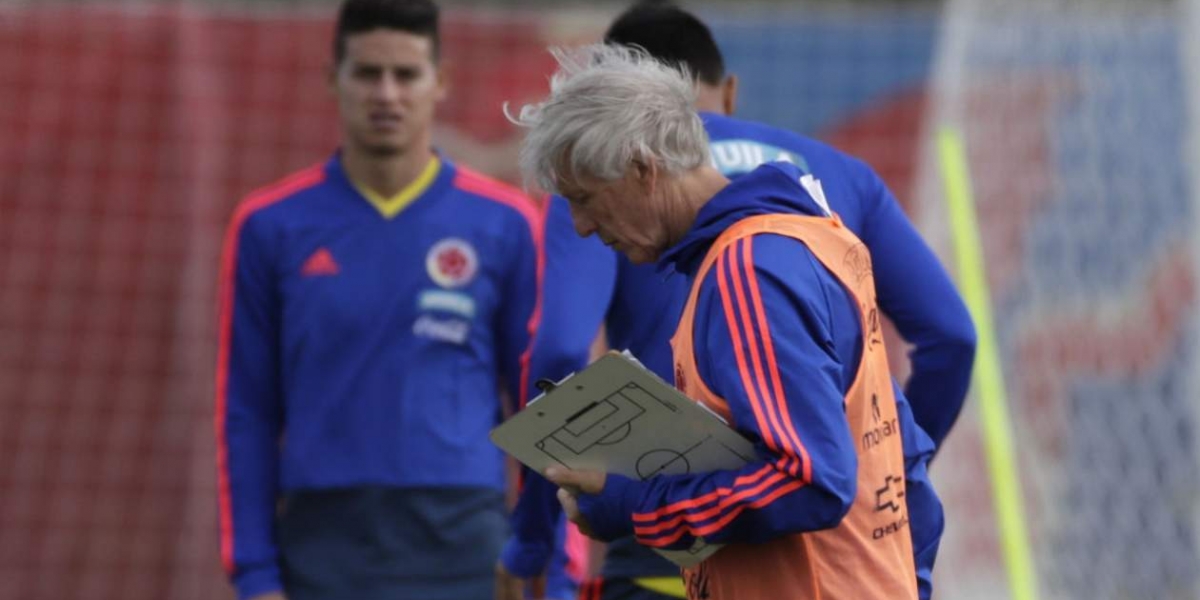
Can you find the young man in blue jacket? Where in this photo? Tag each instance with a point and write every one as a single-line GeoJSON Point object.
{"type": "Point", "coordinates": [641, 313]}
{"type": "Point", "coordinates": [370, 308]}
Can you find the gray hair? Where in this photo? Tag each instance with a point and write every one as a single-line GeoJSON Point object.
{"type": "Point", "coordinates": [610, 105]}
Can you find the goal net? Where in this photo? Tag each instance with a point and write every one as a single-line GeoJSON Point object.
{"type": "Point", "coordinates": [1078, 126]}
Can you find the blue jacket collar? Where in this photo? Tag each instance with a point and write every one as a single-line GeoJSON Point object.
{"type": "Point", "coordinates": [773, 188]}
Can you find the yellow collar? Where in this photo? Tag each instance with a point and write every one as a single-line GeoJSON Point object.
{"type": "Point", "coordinates": [390, 207]}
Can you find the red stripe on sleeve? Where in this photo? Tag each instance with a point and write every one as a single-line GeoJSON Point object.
{"type": "Point", "coordinates": [726, 502]}
{"type": "Point", "coordinates": [752, 479]}
{"type": "Point", "coordinates": [226, 284]}
{"type": "Point", "coordinates": [791, 486]}
{"type": "Point", "coordinates": [535, 319]}
{"type": "Point", "coordinates": [733, 323]}
{"type": "Point", "coordinates": [770, 406]}
{"type": "Point", "coordinates": [497, 191]}
{"type": "Point", "coordinates": [780, 399]}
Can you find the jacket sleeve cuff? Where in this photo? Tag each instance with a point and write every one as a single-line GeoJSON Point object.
{"type": "Point", "coordinates": [256, 581]}
{"type": "Point", "coordinates": [609, 514]}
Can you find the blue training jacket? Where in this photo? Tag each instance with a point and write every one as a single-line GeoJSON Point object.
{"type": "Point", "coordinates": [644, 307]}
{"type": "Point", "coordinates": [361, 350]}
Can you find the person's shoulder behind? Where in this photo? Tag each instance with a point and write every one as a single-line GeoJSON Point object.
{"type": "Point", "coordinates": [269, 201]}
{"type": "Point", "coordinates": [810, 154]}
{"type": "Point", "coordinates": [497, 194]}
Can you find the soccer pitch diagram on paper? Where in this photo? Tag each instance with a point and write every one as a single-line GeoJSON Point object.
{"type": "Point", "coordinates": [617, 417]}
{"type": "Point", "coordinates": [610, 422]}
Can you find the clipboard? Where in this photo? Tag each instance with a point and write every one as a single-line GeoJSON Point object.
{"type": "Point", "coordinates": [618, 417]}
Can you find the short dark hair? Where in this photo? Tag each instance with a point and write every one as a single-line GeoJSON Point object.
{"type": "Point", "coordinates": [672, 35]}
{"type": "Point", "coordinates": [418, 17]}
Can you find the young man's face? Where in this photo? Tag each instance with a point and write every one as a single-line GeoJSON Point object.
{"type": "Point", "coordinates": [387, 85]}
{"type": "Point", "coordinates": [626, 214]}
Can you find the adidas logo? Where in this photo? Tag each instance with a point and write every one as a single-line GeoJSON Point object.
{"type": "Point", "coordinates": [320, 263]}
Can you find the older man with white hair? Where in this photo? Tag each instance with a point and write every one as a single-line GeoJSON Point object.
{"type": "Point", "coordinates": [779, 336]}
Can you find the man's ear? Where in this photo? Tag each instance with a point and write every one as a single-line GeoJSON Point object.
{"type": "Point", "coordinates": [646, 174]}
{"type": "Point", "coordinates": [729, 89]}
{"type": "Point", "coordinates": [331, 75]}
{"type": "Point", "coordinates": [443, 69]}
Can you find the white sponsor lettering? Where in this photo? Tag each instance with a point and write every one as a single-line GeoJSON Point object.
{"type": "Point", "coordinates": [454, 302]}
{"type": "Point", "coordinates": [734, 157]}
{"type": "Point", "coordinates": [454, 331]}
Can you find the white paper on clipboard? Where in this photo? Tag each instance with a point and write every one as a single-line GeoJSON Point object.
{"type": "Point", "coordinates": [617, 416]}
